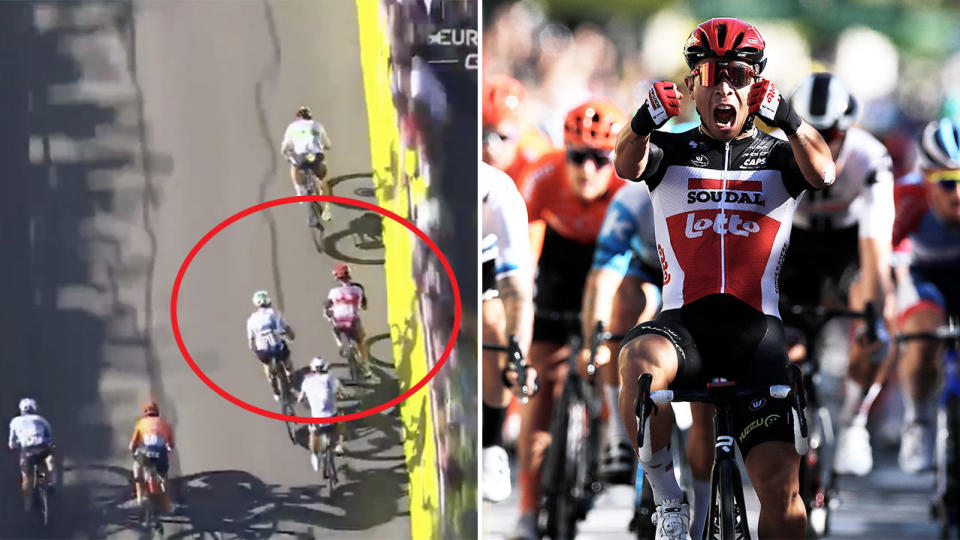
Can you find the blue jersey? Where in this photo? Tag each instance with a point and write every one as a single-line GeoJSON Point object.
{"type": "Point", "coordinates": [627, 241]}
{"type": "Point", "coordinates": [30, 431]}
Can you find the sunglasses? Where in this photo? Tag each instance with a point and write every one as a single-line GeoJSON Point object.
{"type": "Point", "coordinates": [600, 157]}
{"type": "Point", "coordinates": [738, 74]}
{"type": "Point", "coordinates": [946, 180]}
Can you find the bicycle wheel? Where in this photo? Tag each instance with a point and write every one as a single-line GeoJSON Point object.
{"type": "Point", "coordinates": [561, 477]}
{"type": "Point", "coordinates": [947, 500]}
{"type": "Point", "coordinates": [40, 498]}
{"type": "Point", "coordinates": [353, 359]}
{"type": "Point", "coordinates": [642, 523]}
{"type": "Point", "coordinates": [331, 466]}
{"type": "Point", "coordinates": [727, 518]}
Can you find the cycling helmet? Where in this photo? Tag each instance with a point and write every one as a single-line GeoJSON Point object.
{"type": "Point", "coordinates": [150, 408]}
{"type": "Point", "coordinates": [341, 271]}
{"type": "Point", "coordinates": [824, 102]}
{"type": "Point", "coordinates": [940, 145]}
{"type": "Point", "coordinates": [725, 37]}
{"type": "Point", "coordinates": [28, 405]}
{"type": "Point", "coordinates": [304, 113]}
{"type": "Point", "coordinates": [502, 96]}
{"type": "Point", "coordinates": [319, 364]}
{"type": "Point", "coordinates": [594, 124]}
{"type": "Point", "coordinates": [261, 299]}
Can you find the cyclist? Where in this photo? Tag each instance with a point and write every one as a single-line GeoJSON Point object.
{"type": "Point", "coordinates": [723, 196]}
{"type": "Point", "coordinates": [509, 143]}
{"type": "Point", "coordinates": [266, 329]}
{"type": "Point", "coordinates": [31, 434]}
{"type": "Point", "coordinates": [567, 193]}
{"type": "Point", "coordinates": [342, 309]}
{"type": "Point", "coordinates": [927, 234]}
{"type": "Point", "coordinates": [322, 390]}
{"type": "Point", "coordinates": [152, 442]}
{"type": "Point", "coordinates": [507, 310]}
{"type": "Point", "coordinates": [303, 138]}
{"type": "Point", "coordinates": [842, 235]}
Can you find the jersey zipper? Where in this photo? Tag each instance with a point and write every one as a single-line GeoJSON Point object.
{"type": "Point", "coordinates": [723, 214]}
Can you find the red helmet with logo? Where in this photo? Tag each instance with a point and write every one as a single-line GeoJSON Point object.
{"type": "Point", "coordinates": [594, 124]}
{"type": "Point", "coordinates": [725, 37]}
{"type": "Point", "coordinates": [502, 96]}
{"type": "Point", "coordinates": [341, 271]}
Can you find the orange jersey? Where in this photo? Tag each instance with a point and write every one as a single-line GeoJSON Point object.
{"type": "Point", "coordinates": [550, 199]}
{"type": "Point", "coordinates": [532, 144]}
{"type": "Point", "coordinates": [151, 431]}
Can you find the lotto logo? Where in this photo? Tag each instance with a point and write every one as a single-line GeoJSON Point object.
{"type": "Point", "coordinates": [771, 94]}
{"type": "Point", "coordinates": [663, 264]}
{"type": "Point", "coordinates": [722, 224]}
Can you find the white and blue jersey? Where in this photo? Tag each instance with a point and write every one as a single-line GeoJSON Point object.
{"type": "Point", "coordinates": [30, 431]}
{"type": "Point", "coordinates": [264, 330]}
{"type": "Point", "coordinates": [627, 243]}
{"type": "Point", "coordinates": [505, 246]}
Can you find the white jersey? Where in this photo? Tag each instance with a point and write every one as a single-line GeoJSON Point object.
{"type": "Point", "coordinates": [264, 329]}
{"type": "Point", "coordinates": [345, 303]}
{"type": "Point", "coordinates": [30, 430]}
{"type": "Point", "coordinates": [505, 237]}
{"type": "Point", "coordinates": [304, 137]}
{"type": "Point", "coordinates": [862, 194]}
{"type": "Point", "coordinates": [321, 392]}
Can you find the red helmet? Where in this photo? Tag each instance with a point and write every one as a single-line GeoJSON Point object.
{"type": "Point", "coordinates": [341, 271]}
{"type": "Point", "coordinates": [594, 124]}
{"type": "Point", "coordinates": [725, 37]}
{"type": "Point", "coordinates": [502, 96]}
{"type": "Point", "coordinates": [150, 408]}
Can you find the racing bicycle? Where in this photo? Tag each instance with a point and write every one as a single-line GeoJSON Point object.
{"type": "Point", "coordinates": [283, 387]}
{"type": "Point", "coordinates": [350, 351]}
{"type": "Point", "coordinates": [155, 487]}
{"type": "Point", "coordinates": [317, 212]}
{"type": "Point", "coordinates": [727, 513]}
{"type": "Point", "coordinates": [38, 497]}
{"type": "Point", "coordinates": [515, 364]}
{"type": "Point", "coordinates": [945, 505]}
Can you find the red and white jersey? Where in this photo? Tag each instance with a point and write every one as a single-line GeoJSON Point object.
{"type": "Point", "coordinates": [723, 213]}
{"type": "Point", "coordinates": [345, 303]}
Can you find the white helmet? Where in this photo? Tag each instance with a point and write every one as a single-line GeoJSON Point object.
{"type": "Point", "coordinates": [28, 405]}
{"type": "Point", "coordinates": [261, 299]}
{"type": "Point", "coordinates": [824, 102]}
{"type": "Point", "coordinates": [319, 364]}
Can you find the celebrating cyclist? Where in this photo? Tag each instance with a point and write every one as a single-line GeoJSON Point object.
{"type": "Point", "coordinates": [723, 196]}
{"type": "Point", "coordinates": [266, 330]}
{"type": "Point", "coordinates": [32, 435]}
{"type": "Point", "coordinates": [842, 235]}
{"type": "Point", "coordinates": [507, 310]}
{"type": "Point", "coordinates": [322, 390]}
{"type": "Point", "coordinates": [509, 143]}
{"type": "Point", "coordinates": [151, 443]}
{"type": "Point", "coordinates": [342, 309]}
{"type": "Point", "coordinates": [927, 236]}
{"type": "Point", "coordinates": [567, 193]}
{"type": "Point", "coordinates": [304, 144]}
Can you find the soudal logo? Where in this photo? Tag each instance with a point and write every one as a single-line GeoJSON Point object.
{"type": "Point", "coordinates": [703, 190]}
{"type": "Point", "coordinates": [721, 224]}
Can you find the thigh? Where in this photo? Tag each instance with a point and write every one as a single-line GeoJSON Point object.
{"type": "Point", "coordinates": [655, 340]}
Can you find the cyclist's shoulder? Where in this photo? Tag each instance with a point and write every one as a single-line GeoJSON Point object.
{"type": "Point", "coordinates": [861, 141]}
{"type": "Point", "coordinates": [544, 173]}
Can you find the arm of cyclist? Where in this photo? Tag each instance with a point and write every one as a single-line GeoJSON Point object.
{"type": "Point", "coordinates": [322, 137]}
{"type": "Point", "coordinates": [598, 293]}
{"type": "Point", "coordinates": [135, 438]}
{"type": "Point", "coordinates": [633, 145]}
{"type": "Point", "coordinates": [809, 149]}
{"type": "Point", "coordinates": [12, 440]}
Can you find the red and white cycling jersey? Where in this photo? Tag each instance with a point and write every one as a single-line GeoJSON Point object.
{"type": "Point", "coordinates": [344, 304]}
{"type": "Point", "coordinates": [723, 213]}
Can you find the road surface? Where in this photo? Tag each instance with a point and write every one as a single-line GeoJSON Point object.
{"type": "Point", "coordinates": [129, 131]}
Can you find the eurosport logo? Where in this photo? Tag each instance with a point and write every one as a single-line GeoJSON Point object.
{"type": "Point", "coordinates": [704, 190]}
{"type": "Point", "coordinates": [456, 37]}
{"type": "Point", "coordinates": [721, 224]}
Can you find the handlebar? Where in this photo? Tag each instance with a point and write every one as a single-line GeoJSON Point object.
{"type": "Point", "coordinates": [947, 333]}
{"type": "Point", "coordinates": [823, 314]}
{"type": "Point", "coordinates": [598, 337]}
{"type": "Point", "coordinates": [515, 363]}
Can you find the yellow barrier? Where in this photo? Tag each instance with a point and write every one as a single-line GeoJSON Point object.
{"type": "Point", "coordinates": [397, 185]}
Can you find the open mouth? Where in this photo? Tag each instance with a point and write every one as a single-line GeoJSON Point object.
{"type": "Point", "coordinates": [724, 115]}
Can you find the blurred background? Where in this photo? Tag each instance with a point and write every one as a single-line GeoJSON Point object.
{"type": "Point", "coordinates": [900, 58]}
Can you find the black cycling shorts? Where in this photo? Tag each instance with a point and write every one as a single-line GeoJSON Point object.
{"type": "Point", "coordinates": [719, 336]}
{"type": "Point", "coordinates": [161, 462]}
{"type": "Point", "coordinates": [282, 355]}
{"type": "Point", "coordinates": [34, 455]}
{"type": "Point", "coordinates": [561, 273]}
{"type": "Point", "coordinates": [488, 275]}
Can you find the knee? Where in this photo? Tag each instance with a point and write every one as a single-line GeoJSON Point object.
{"type": "Point", "coordinates": [648, 354]}
{"type": "Point", "coordinates": [777, 485]}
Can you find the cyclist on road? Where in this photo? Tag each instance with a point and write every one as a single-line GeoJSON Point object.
{"type": "Point", "coordinates": [723, 196]}
{"type": "Point", "coordinates": [322, 390]}
{"type": "Point", "coordinates": [32, 435]}
{"type": "Point", "coordinates": [266, 329]}
{"type": "Point", "coordinates": [927, 238]}
{"type": "Point", "coordinates": [842, 235]}
{"type": "Point", "coordinates": [342, 309]}
{"type": "Point", "coordinates": [152, 442]}
{"type": "Point", "coordinates": [567, 193]}
{"type": "Point", "coordinates": [509, 143]}
{"type": "Point", "coordinates": [304, 144]}
{"type": "Point", "coordinates": [507, 310]}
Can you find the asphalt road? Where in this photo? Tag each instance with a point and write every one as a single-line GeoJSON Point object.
{"type": "Point", "coordinates": [129, 131]}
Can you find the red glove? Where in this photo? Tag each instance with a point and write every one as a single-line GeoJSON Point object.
{"type": "Point", "coordinates": [662, 104]}
{"type": "Point", "coordinates": [766, 102]}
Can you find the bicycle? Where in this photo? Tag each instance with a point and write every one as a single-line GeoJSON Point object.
{"type": "Point", "coordinates": [330, 472]}
{"type": "Point", "coordinates": [350, 351]}
{"type": "Point", "coordinates": [38, 495]}
{"type": "Point", "coordinates": [945, 504]}
{"type": "Point", "coordinates": [818, 480]}
{"type": "Point", "coordinates": [569, 481]}
{"type": "Point", "coordinates": [727, 514]}
{"type": "Point", "coordinates": [155, 487]}
{"type": "Point", "coordinates": [515, 364]}
{"type": "Point", "coordinates": [283, 387]}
